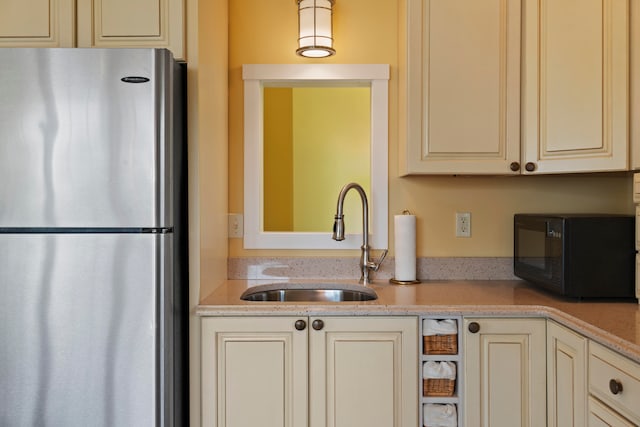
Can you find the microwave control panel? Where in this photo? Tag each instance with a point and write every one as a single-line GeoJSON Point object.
{"type": "Point", "coordinates": [554, 229]}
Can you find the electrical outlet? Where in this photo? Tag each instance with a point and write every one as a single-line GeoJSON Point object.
{"type": "Point", "coordinates": [236, 225]}
{"type": "Point", "coordinates": [463, 224]}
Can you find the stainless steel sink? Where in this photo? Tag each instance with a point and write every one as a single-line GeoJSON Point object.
{"type": "Point", "coordinates": [309, 292]}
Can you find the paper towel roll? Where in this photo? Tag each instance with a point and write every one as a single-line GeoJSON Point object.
{"type": "Point", "coordinates": [405, 245]}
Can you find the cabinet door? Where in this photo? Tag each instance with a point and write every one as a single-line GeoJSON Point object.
{"type": "Point", "coordinates": [566, 377]}
{"type": "Point", "coordinates": [254, 372]}
{"type": "Point", "coordinates": [575, 88]}
{"type": "Point", "coordinates": [37, 23]}
{"type": "Point", "coordinates": [363, 372]}
{"type": "Point", "coordinates": [132, 23]}
{"type": "Point", "coordinates": [505, 371]}
{"type": "Point", "coordinates": [462, 86]}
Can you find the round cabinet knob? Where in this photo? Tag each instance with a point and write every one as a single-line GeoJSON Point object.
{"type": "Point", "coordinates": [615, 386]}
{"type": "Point", "coordinates": [317, 324]}
{"type": "Point", "coordinates": [530, 166]}
{"type": "Point", "coordinates": [514, 166]}
{"type": "Point", "coordinates": [474, 327]}
{"type": "Point", "coordinates": [300, 325]}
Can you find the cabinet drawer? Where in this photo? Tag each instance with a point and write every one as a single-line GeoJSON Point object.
{"type": "Point", "coordinates": [637, 275]}
{"type": "Point", "coordinates": [636, 188]}
{"type": "Point", "coordinates": [605, 366]}
{"type": "Point", "coordinates": [601, 415]}
{"type": "Point", "coordinates": [637, 222]}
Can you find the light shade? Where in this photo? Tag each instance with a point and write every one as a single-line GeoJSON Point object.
{"type": "Point", "coordinates": [315, 38]}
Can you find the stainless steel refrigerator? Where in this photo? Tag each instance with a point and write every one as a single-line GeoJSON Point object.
{"type": "Point", "coordinates": [93, 282]}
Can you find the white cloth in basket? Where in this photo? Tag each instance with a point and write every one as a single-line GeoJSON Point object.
{"type": "Point", "coordinates": [433, 369]}
{"type": "Point", "coordinates": [439, 327]}
{"type": "Point", "coordinates": [440, 415]}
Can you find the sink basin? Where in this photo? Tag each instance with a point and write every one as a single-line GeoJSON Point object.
{"type": "Point", "coordinates": [309, 292]}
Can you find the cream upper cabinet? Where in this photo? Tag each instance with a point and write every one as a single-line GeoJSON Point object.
{"type": "Point", "coordinates": [504, 372]}
{"type": "Point", "coordinates": [511, 87]}
{"type": "Point", "coordinates": [94, 23]}
{"type": "Point", "coordinates": [566, 377]}
{"type": "Point", "coordinates": [317, 372]}
{"type": "Point", "coordinates": [132, 23]}
{"type": "Point", "coordinates": [462, 85]}
{"type": "Point", "coordinates": [575, 86]}
{"type": "Point", "coordinates": [37, 23]}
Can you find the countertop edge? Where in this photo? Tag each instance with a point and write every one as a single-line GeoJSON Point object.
{"type": "Point", "coordinates": [624, 347]}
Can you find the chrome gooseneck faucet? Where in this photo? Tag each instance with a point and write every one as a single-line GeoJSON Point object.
{"type": "Point", "coordinates": [338, 231]}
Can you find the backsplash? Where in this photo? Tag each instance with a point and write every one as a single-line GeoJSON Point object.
{"type": "Point", "coordinates": [467, 268]}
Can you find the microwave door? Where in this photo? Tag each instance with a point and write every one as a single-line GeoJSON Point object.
{"type": "Point", "coordinates": [532, 247]}
{"type": "Point", "coordinates": [538, 245]}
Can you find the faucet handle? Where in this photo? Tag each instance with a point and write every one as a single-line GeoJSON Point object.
{"type": "Point", "coordinates": [375, 265]}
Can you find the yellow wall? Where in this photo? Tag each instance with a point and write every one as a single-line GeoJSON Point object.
{"type": "Point", "coordinates": [278, 159]}
{"type": "Point", "coordinates": [367, 31]}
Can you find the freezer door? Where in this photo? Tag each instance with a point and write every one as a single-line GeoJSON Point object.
{"type": "Point", "coordinates": [79, 147]}
{"type": "Point", "coordinates": [82, 330]}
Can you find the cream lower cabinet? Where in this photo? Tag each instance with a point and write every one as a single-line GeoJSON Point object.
{"type": "Point", "coordinates": [601, 415]}
{"type": "Point", "coordinates": [566, 377]}
{"type": "Point", "coordinates": [93, 23]}
{"type": "Point", "coordinates": [614, 388]}
{"type": "Point", "coordinates": [505, 372]}
{"type": "Point", "coordinates": [317, 372]}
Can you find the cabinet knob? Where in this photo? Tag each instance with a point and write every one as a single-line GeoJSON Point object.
{"type": "Point", "coordinates": [615, 386]}
{"type": "Point", "coordinates": [514, 166]}
{"type": "Point", "coordinates": [317, 324]}
{"type": "Point", "coordinates": [300, 325]}
{"type": "Point", "coordinates": [530, 166]}
{"type": "Point", "coordinates": [474, 327]}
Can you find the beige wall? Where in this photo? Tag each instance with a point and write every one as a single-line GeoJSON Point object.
{"type": "Point", "coordinates": [209, 104]}
{"type": "Point", "coordinates": [207, 107]}
{"type": "Point", "coordinates": [367, 31]}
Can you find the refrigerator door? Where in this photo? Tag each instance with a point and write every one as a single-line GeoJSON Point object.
{"type": "Point", "coordinates": [83, 329]}
{"type": "Point", "coordinates": [79, 147]}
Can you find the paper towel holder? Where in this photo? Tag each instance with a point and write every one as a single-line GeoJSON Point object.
{"type": "Point", "coordinates": [404, 282]}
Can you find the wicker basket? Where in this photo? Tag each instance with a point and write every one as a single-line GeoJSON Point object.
{"type": "Point", "coordinates": [438, 387]}
{"type": "Point", "coordinates": [440, 344]}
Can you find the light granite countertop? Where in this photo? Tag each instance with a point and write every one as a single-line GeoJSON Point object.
{"type": "Point", "coordinates": [613, 324]}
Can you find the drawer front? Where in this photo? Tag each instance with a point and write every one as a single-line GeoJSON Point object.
{"type": "Point", "coordinates": [638, 226]}
{"type": "Point", "coordinates": [605, 366]}
{"type": "Point", "coordinates": [602, 416]}
{"type": "Point", "coordinates": [638, 274]}
{"type": "Point", "coordinates": [636, 188]}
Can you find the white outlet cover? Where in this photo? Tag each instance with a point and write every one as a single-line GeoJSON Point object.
{"type": "Point", "coordinates": [463, 224]}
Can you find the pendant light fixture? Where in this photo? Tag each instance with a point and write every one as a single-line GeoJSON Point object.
{"type": "Point", "coordinates": [315, 38]}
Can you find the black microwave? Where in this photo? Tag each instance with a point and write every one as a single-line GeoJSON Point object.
{"type": "Point", "coordinates": [578, 256]}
